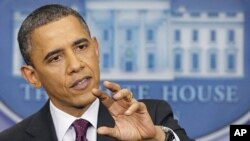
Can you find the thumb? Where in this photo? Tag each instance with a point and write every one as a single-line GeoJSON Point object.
{"type": "Point", "coordinates": [107, 131]}
{"type": "Point", "coordinates": [103, 97]}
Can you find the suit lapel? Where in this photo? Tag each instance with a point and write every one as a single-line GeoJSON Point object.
{"type": "Point", "coordinates": [104, 119]}
{"type": "Point", "coordinates": [41, 127]}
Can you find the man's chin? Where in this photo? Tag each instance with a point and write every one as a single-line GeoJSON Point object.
{"type": "Point", "coordinates": [85, 102]}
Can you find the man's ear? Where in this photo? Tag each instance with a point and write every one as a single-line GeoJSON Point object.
{"type": "Point", "coordinates": [96, 46]}
{"type": "Point", "coordinates": [29, 74]}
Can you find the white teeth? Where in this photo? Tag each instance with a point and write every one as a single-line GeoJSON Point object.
{"type": "Point", "coordinates": [81, 82]}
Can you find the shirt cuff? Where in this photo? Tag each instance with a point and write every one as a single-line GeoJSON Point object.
{"type": "Point", "coordinates": [171, 134]}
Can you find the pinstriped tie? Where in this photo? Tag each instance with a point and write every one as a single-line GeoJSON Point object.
{"type": "Point", "coordinates": [81, 126]}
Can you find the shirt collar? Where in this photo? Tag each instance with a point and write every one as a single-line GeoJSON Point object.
{"type": "Point", "coordinates": [63, 121]}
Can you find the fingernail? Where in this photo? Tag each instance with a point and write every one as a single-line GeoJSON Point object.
{"type": "Point", "coordinates": [128, 112]}
{"type": "Point", "coordinates": [115, 96]}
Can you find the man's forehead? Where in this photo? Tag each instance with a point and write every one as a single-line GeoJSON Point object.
{"type": "Point", "coordinates": [65, 25]}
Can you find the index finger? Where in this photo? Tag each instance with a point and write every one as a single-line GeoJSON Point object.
{"type": "Point", "coordinates": [113, 87]}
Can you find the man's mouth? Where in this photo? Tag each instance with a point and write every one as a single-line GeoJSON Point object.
{"type": "Point", "coordinates": [81, 84]}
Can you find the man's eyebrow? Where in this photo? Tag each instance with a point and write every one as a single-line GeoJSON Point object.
{"type": "Point", "coordinates": [52, 53]}
{"type": "Point", "coordinates": [81, 40]}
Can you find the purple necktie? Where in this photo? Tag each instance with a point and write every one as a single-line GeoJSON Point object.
{"type": "Point", "coordinates": [81, 127]}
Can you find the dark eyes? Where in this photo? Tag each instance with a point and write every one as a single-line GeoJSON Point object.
{"type": "Point", "coordinates": [81, 47]}
{"type": "Point", "coordinates": [78, 49]}
{"type": "Point", "coordinates": [55, 58]}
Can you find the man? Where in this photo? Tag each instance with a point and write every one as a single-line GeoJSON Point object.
{"type": "Point", "coordinates": [63, 58]}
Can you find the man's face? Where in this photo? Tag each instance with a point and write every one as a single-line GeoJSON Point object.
{"type": "Point", "coordinates": [66, 63]}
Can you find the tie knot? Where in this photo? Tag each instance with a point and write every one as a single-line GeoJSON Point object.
{"type": "Point", "coordinates": [80, 126]}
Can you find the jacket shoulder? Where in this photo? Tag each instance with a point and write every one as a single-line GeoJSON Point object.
{"type": "Point", "coordinates": [17, 131]}
{"type": "Point", "coordinates": [38, 126]}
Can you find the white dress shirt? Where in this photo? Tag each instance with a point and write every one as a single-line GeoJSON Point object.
{"type": "Point", "coordinates": [63, 122]}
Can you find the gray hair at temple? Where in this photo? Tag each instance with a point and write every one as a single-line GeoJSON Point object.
{"type": "Point", "coordinates": [40, 17]}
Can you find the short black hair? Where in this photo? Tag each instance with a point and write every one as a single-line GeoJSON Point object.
{"type": "Point", "coordinates": [39, 17]}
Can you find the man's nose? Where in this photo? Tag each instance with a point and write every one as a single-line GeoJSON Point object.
{"type": "Point", "coordinates": [74, 63]}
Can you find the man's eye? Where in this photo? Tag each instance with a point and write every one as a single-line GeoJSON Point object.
{"type": "Point", "coordinates": [83, 46]}
{"type": "Point", "coordinates": [55, 58]}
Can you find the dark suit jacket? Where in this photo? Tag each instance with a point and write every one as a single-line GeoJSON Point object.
{"type": "Point", "coordinates": [40, 127]}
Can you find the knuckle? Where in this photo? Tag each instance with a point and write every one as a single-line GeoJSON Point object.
{"type": "Point", "coordinates": [127, 91]}
{"type": "Point", "coordinates": [124, 92]}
